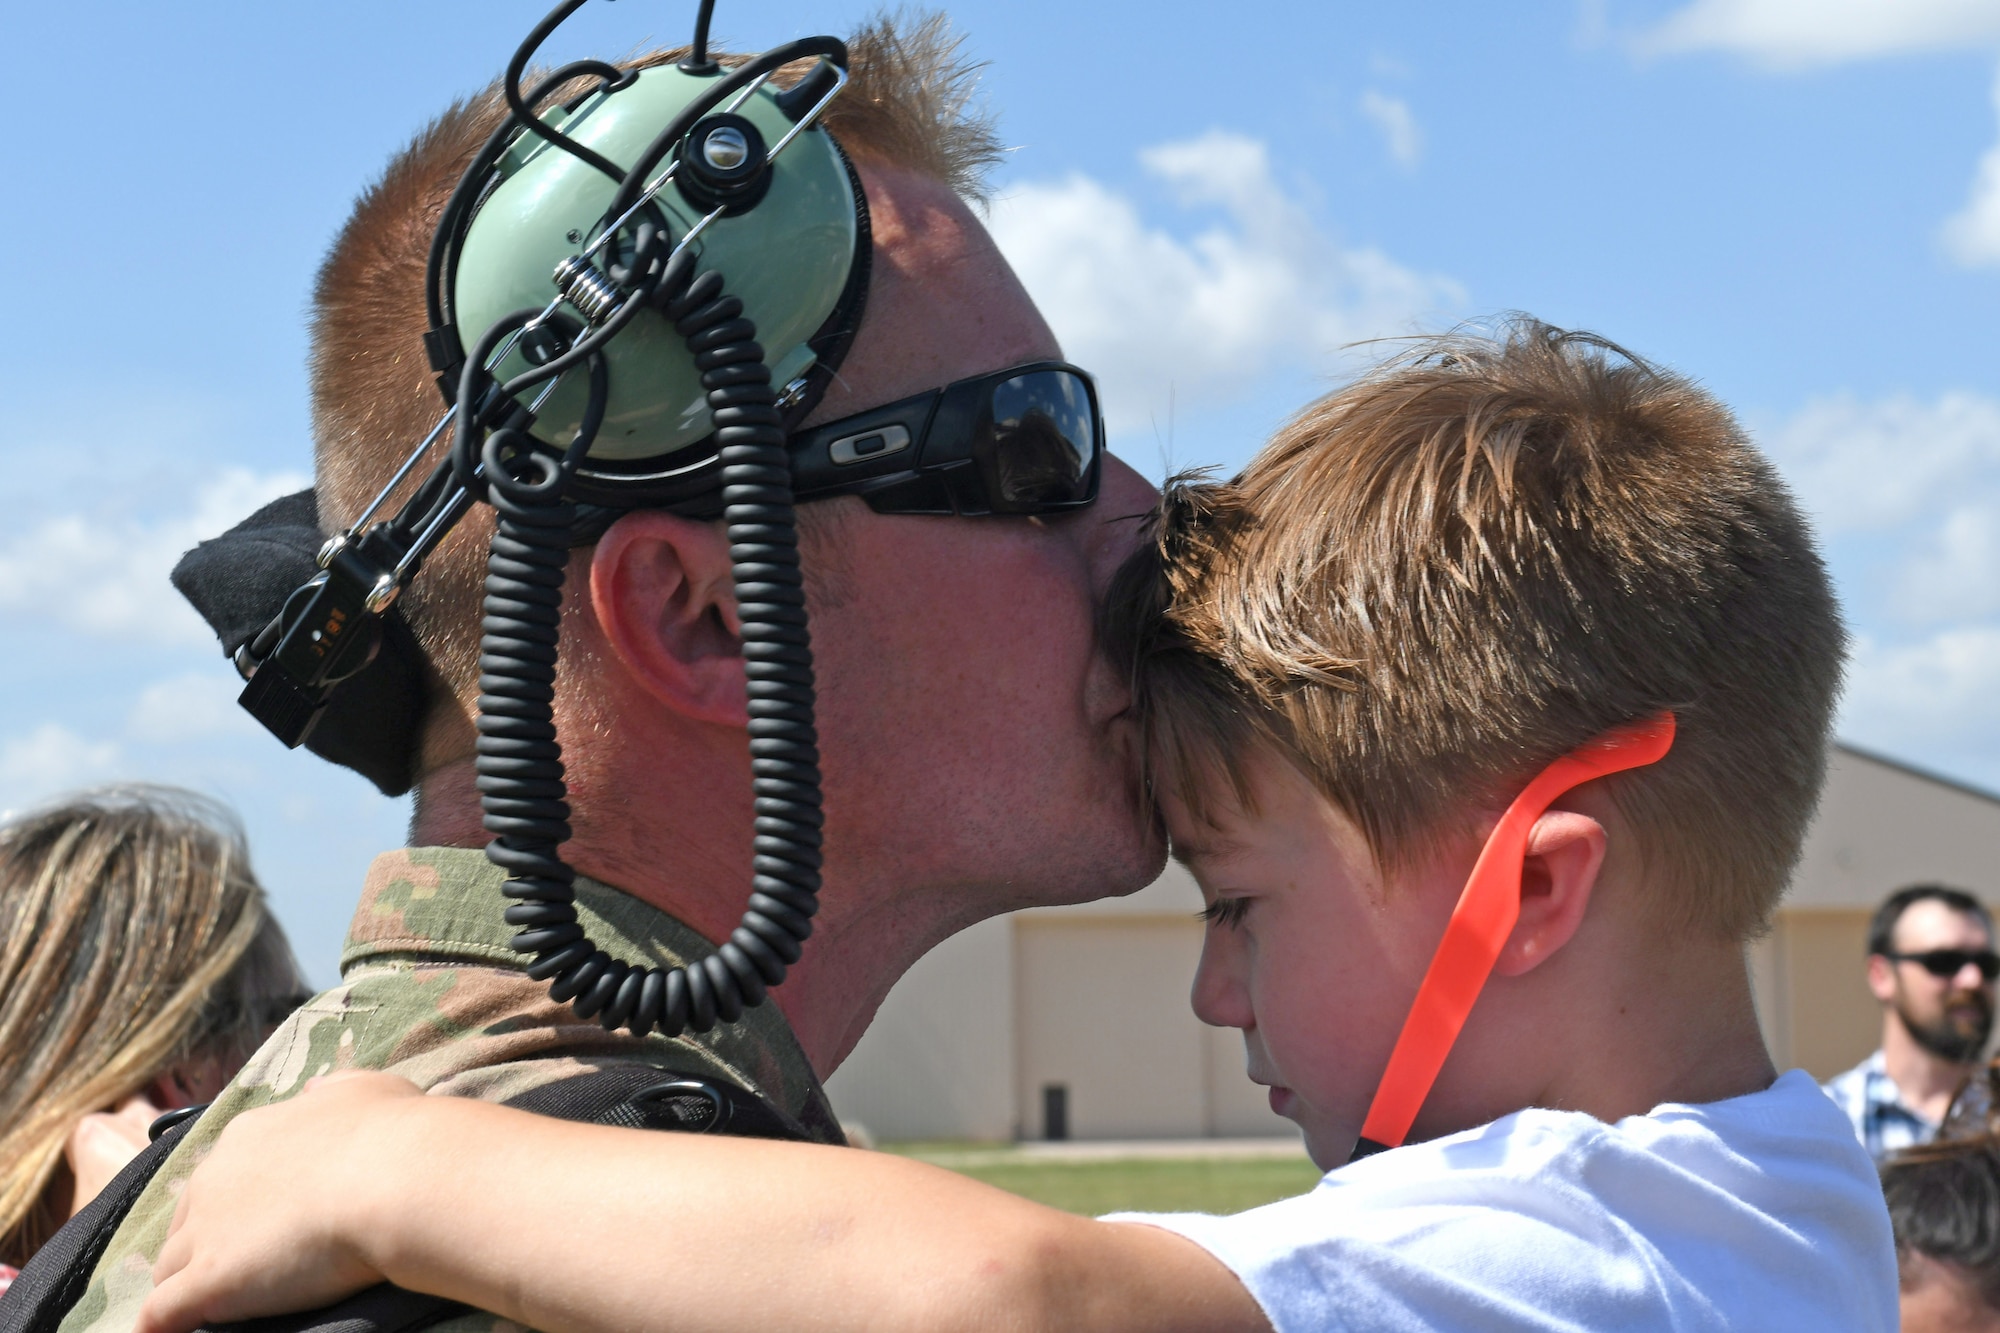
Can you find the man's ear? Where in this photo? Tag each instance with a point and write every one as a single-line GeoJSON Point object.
{"type": "Point", "coordinates": [1559, 873]}
{"type": "Point", "coordinates": [1882, 977]}
{"type": "Point", "coordinates": [665, 602]}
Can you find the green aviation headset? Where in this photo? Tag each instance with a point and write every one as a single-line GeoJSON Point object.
{"type": "Point", "coordinates": [662, 269]}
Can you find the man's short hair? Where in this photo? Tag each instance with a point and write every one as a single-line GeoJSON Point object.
{"type": "Point", "coordinates": [910, 104]}
{"type": "Point", "coordinates": [1882, 926]}
{"type": "Point", "coordinates": [1487, 552]}
{"type": "Point", "coordinates": [1944, 1203]}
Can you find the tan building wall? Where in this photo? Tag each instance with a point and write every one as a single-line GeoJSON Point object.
{"type": "Point", "coordinates": [1812, 994]}
{"type": "Point", "coordinates": [1103, 1024]}
{"type": "Point", "coordinates": [938, 1061]}
{"type": "Point", "coordinates": [1092, 999]}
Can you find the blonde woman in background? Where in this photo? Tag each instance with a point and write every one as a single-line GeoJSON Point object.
{"type": "Point", "coordinates": [139, 968]}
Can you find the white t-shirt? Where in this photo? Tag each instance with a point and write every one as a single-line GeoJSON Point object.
{"type": "Point", "coordinates": [1758, 1213]}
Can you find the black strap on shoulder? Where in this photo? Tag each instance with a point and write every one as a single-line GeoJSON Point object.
{"type": "Point", "coordinates": [54, 1279]}
{"type": "Point", "coordinates": [624, 1093]}
{"type": "Point", "coordinates": [640, 1096]}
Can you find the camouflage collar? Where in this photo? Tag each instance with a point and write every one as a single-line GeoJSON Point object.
{"type": "Point", "coordinates": [442, 905]}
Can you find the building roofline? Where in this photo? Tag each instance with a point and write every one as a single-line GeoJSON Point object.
{"type": "Point", "coordinates": [1924, 774]}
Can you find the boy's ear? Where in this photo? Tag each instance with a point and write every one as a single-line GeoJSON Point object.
{"type": "Point", "coordinates": [1558, 875]}
{"type": "Point", "coordinates": [665, 601]}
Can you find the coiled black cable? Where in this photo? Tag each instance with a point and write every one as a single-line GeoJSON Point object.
{"type": "Point", "coordinates": [520, 771]}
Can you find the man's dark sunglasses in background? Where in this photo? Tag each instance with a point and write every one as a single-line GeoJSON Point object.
{"type": "Point", "coordinates": [1025, 440]}
{"type": "Point", "coordinates": [1950, 962]}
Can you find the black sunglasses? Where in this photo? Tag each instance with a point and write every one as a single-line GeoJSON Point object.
{"type": "Point", "coordinates": [1950, 962]}
{"type": "Point", "coordinates": [1025, 440]}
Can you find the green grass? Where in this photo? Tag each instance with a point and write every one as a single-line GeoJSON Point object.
{"type": "Point", "coordinates": [1203, 1185]}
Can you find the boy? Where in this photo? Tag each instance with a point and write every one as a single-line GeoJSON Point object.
{"type": "Point", "coordinates": [1385, 669]}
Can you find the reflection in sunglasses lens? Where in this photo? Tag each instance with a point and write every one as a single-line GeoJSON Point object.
{"type": "Point", "coordinates": [1044, 438]}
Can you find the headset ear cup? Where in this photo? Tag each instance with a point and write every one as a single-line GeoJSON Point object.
{"type": "Point", "coordinates": [791, 256]}
{"type": "Point", "coordinates": [830, 344]}
{"type": "Point", "coordinates": [692, 485]}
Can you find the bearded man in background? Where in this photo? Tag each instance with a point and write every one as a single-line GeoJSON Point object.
{"type": "Point", "coordinates": [1932, 964]}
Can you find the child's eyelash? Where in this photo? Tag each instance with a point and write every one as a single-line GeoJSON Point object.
{"type": "Point", "coordinates": [1225, 911]}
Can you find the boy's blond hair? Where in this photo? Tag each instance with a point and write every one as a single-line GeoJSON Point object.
{"type": "Point", "coordinates": [1435, 581]}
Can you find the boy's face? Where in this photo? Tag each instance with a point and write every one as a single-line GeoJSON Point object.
{"type": "Point", "coordinates": [1305, 952]}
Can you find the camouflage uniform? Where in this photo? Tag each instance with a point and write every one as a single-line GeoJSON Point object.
{"type": "Point", "coordinates": [430, 990]}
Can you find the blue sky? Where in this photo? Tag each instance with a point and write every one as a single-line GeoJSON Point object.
{"type": "Point", "coordinates": [1795, 201]}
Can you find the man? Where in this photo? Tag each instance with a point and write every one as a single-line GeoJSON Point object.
{"type": "Point", "coordinates": [1931, 964]}
{"type": "Point", "coordinates": [978, 753]}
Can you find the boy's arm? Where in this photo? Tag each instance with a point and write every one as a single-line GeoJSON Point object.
{"type": "Point", "coordinates": [583, 1229]}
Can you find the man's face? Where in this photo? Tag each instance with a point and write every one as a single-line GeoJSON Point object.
{"type": "Point", "coordinates": [977, 744]}
{"type": "Point", "coordinates": [1307, 951]}
{"type": "Point", "coordinates": [1951, 1015]}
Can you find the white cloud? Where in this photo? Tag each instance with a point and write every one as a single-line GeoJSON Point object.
{"type": "Point", "coordinates": [1952, 573]}
{"type": "Point", "coordinates": [1947, 574]}
{"type": "Point", "coordinates": [1942, 691]}
{"type": "Point", "coordinates": [1400, 135]}
{"type": "Point", "coordinates": [1798, 33]}
{"type": "Point", "coordinates": [1972, 235]}
{"type": "Point", "coordinates": [104, 571]}
{"type": "Point", "coordinates": [1906, 496]}
{"type": "Point", "coordinates": [51, 759]}
{"type": "Point", "coordinates": [1158, 317]}
{"type": "Point", "coordinates": [1868, 466]}
{"type": "Point", "coordinates": [190, 707]}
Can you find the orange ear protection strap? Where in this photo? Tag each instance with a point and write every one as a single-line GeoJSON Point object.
{"type": "Point", "coordinates": [1485, 916]}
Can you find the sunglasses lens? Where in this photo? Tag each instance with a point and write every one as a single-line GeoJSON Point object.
{"type": "Point", "coordinates": [1950, 962]}
{"type": "Point", "coordinates": [1044, 441]}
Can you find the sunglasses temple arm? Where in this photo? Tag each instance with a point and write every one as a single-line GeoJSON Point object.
{"type": "Point", "coordinates": [1480, 926]}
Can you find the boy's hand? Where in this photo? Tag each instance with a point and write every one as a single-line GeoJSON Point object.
{"type": "Point", "coordinates": [278, 1217]}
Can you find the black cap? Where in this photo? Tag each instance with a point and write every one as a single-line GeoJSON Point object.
{"type": "Point", "coordinates": [239, 582]}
